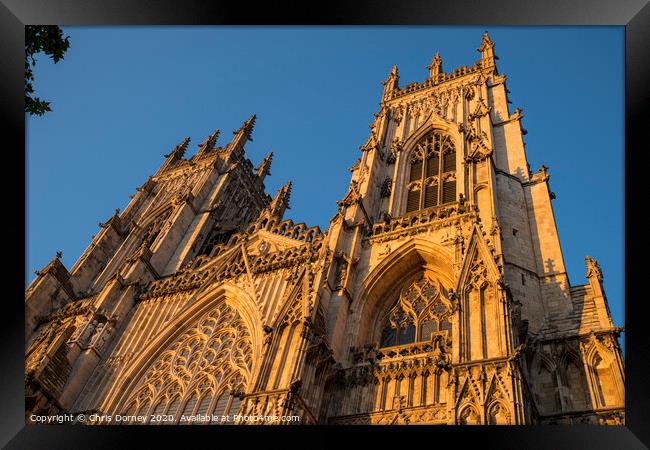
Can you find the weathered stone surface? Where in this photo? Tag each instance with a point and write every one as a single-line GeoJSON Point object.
{"type": "Point", "coordinates": [438, 294]}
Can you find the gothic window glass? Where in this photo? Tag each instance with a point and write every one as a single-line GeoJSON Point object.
{"type": "Point", "coordinates": [427, 327]}
{"type": "Point", "coordinates": [432, 172]}
{"type": "Point", "coordinates": [421, 311]}
{"type": "Point", "coordinates": [220, 407]}
{"type": "Point", "coordinates": [189, 405]}
{"type": "Point", "coordinates": [235, 405]}
{"type": "Point", "coordinates": [160, 408]}
{"type": "Point", "coordinates": [407, 334]}
{"type": "Point", "coordinates": [173, 407]}
{"type": "Point", "coordinates": [215, 355]}
{"type": "Point", "coordinates": [413, 200]}
{"type": "Point", "coordinates": [205, 403]}
{"type": "Point", "coordinates": [388, 337]}
{"type": "Point", "coordinates": [144, 408]}
{"type": "Point", "coordinates": [217, 237]}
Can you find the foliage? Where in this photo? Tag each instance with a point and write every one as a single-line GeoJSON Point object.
{"type": "Point", "coordinates": [47, 39]}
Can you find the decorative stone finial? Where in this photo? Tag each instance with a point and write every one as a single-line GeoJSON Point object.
{"type": "Point", "coordinates": [485, 41]}
{"type": "Point", "coordinates": [264, 169]}
{"type": "Point", "coordinates": [247, 128]}
{"type": "Point", "coordinates": [175, 155]}
{"type": "Point", "coordinates": [593, 268]}
{"type": "Point", "coordinates": [179, 151]}
{"type": "Point", "coordinates": [391, 83]}
{"type": "Point", "coordinates": [487, 51]}
{"type": "Point", "coordinates": [435, 67]}
{"type": "Point", "coordinates": [279, 204]}
{"type": "Point", "coordinates": [210, 142]}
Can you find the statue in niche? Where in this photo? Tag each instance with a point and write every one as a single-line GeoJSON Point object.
{"type": "Point", "coordinates": [342, 274]}
{"type": "Point", "coordinates": [87, 333]}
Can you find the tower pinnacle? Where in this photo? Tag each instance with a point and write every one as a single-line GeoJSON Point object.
{"type": "Point", "coordinates": [279, 204]}
{"type": "Point", "coordinates": [435, 67]}
{"type": "Point", "coordinates": [241, 136]}
{"type": "Point", "coordinates": [391, 82]}
{"type": "Point", "coordinates": [246, 130]}
{"type": "Point", "coordinates": [487, 51]}
{"type": "Point", "coordinates": [175, 155]}
{"type": "Point", "coordinates": [264, 168]}
{"type": "Point", "coordinates": [209, 143]}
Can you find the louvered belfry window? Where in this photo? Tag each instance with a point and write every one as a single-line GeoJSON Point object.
{"type": "Point", "coordinates": [432, 173]}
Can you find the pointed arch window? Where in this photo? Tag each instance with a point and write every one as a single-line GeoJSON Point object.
{"type": "Point", "coordinates": [213, 356]}
{"type": "Point", "coordinates": [421, 311]}
{"type": "Point", "coordinates": [432, 172]}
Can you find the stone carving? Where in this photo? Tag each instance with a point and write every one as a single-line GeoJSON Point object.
{"type": "Point", "coordinates": [386, 188]}
{"type": "Point", "coordinates": [593, 269]}
{"type": "Point", "coordinates": [490, 353]}
{"type": "Point", "coordinates": [353, 196]}
{"type": "Point", "coordinates": [212, 357]}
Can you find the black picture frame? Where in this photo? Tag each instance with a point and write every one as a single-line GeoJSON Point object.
{"type": "Point", "coordinates": [633, 14]}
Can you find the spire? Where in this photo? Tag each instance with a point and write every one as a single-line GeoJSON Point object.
{"type": "Point", "coordinates": [391, 82]}
{"type": "Point", "coordinates": [487, 51]}
{"type": "Point", "coordinates": [179, 150]}
{"type": "Point", "coordinates": [247, 128]}
{"type": "Point", "coordinates": [595, 281]}
{"type": "Point", "coordinates": [435, 67]}
{"type": "Point", "coordinates": [175, 155]}
{"type": "Point", "coordinates": [209, 143]}
{"type": "Point", "coordinates": [279, 204]}
{"type": "Point", "coordinates": [242, 135]}
{"type": "Point", "coordinates": [264, 169]}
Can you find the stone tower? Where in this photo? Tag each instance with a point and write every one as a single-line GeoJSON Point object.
{"type": "Point", "coordinates": [437, 295]}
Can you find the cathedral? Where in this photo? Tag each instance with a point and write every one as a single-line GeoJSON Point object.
{"type": "Point", "coordinates": [437, 295]}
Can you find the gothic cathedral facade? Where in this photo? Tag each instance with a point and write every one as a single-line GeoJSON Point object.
{"type": "Point", "coordinates": [437, 295]}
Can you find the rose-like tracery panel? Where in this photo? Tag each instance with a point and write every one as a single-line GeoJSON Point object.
{"type": "Point", "coordinates": [202, 371]}
{"type": "Point", "coordinates": [421, 309]}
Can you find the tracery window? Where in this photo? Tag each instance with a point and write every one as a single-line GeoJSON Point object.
{"type": "Point", "coordinates": [156, 226]}
{"type": "Point", "coordinates": [203, 372]}
{"type": "Point", "coordinates": [421, 310]}
{"type": "Point", "coordinates": [432, 173]}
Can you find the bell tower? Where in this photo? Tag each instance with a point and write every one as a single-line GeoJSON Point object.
{"type": "Point", "coordinates": [447, 271]}
{"type": "Point", "coordinates": [437, 295]}
{"type": "Point", "coordinates": [190, 205]}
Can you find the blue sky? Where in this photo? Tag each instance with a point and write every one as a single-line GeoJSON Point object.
{"type": "Point", "coordinates": [124, 96]}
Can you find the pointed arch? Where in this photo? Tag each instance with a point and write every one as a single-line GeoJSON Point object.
{"type": "Point", "coordinates": [498, 414]}
{"type": "Point", "coordinates": [222, 319]}
{"type": "Point", "coordinates": [433, 123]}
{"type": "Point", "coordinates": [483, 332]}
{"type": "Point", "coordinates": [604, 375]}
{"type": "Point", "coordinates": [469, 393]}
{"type": "Point", "coordinates": [546, 388]}
{"type": "Point", "coordinates": [292, 309]}
{"type": "Point", "coordinates": [382, 285]}
{"type": "Point", "coordinates": [496, 390]}
{"type": "Point", "coordinates": [468, 415]}
{"type": "Point", "coordinates": [573, 372]}
{"type": "Point", "coordinates": [477, 249]}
